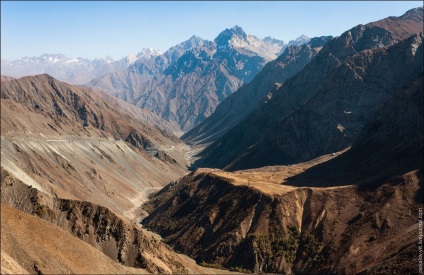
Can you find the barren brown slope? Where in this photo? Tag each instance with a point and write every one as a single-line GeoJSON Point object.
{"type": "Point", "coordinates": [59, 108]}
{"type": "Point", "coordinates": [390, 144]}
{"type": "Point", "coordinates": [143, 115]}
{"type": "Point", "coordinates": [402, 27]}
{"type": "Point", "coordinates": [31, 245]}
{"type": "Point", "coordinates": [122, 241]}
{"type": "Point", "coordinates": [68, 142]}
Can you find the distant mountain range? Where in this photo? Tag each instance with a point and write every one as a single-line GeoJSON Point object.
{"type": "Point", "coordinates": [186, 83]}
{"type": "Point", "coordinates": [182, 85]}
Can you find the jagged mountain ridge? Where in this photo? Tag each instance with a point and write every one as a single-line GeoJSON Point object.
{"type": "Point", "coordinates": [185, 90]}
{"type": "Point", "coordinates": [238, 105]}
{"type": "Point", "coordinates": [323, 107]}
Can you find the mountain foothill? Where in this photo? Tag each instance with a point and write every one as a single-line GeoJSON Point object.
{"type": "Point", "coordinates": [237, 155]}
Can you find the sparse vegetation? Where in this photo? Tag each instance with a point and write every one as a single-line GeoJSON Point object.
{"type": "Point", "coordinates": [290, 247]}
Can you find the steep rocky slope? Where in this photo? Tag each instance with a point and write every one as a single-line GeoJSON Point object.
{"type": "Point", "coordinates": [323, 108]}
{"type": "Point", "coordinates": [85, 166]}
{"type": "Point", "coordinates": [26, 248]}
{"type": "Point", "coordinates": [186, 88]}
{"type": "Point", "coordinates": [350, 212]}
{"type": "Point", "coordinates": [59, 108]}
{"type": "Point", "coordinates": [68, 142]}
{"type": "Point", "coordinates": [143, 115]}
{"type": "Point", "coordinates": [301, 230]}
{"type": "Point", "coordinates": [241, 103]}
{"type": "Point", "coordinates": [104, 234]}
{"type": "Point", "coordinates": [390, 143]}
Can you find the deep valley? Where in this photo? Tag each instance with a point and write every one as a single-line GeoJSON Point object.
{"type": "Point", "coordinates": [237, 155]}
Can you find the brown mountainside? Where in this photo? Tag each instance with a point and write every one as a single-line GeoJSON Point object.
{"type": "Point", "coordinates": [111, 235]}
{"type": "Point", "coordinates": [62, 108]}
{"type": "Point", "coordinates": [67, 141]}
{"type": "Point", "coordinates": [85, 165]}
{"type": "Point", "coordinates": [323, 108]}
{"type": "Point", "coordinates": [352, 213]}
{"type": "Point", "coordinates": [6, 78]}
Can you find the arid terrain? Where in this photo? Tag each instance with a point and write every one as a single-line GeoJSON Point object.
{"type": "Point", "coordinates": [311, 163]}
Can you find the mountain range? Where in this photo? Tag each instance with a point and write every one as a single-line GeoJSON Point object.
{"type": "Point", "coordinates": [182, 85]}
{"type": "Point", "coordinates": [307, 158]}
{"type": "Point", "coordinates": [335, 176]}
{"type": "Point", "coordinates": [186, 83]}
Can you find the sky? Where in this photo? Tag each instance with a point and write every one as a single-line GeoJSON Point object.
{"type": "Point", "coordinates": [116, 28]}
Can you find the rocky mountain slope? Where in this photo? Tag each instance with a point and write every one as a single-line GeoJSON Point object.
{"type": "Point", "coordinates": [391, 143]}
{"type": "Point", "coordinates": [350, 212]}
{"type": "Point", "coordinates": [143, 115]}
{"type": "Point", "coordinates": [126, 82]}
{"type": "Point", "coordinates": [69, 142]}
{"type": "Point", "coordinates": [185, 84]}
{"type": "Point", "coordinates": [84, 165]}
{"type": "Point", "coordinates": [88, 227]}
{"type": "Point", "coordinates": [23, 236]}
{"type": "Point", "coordinates": [323, 108]}
{"type": "Point", "coordinates": [241, 103]}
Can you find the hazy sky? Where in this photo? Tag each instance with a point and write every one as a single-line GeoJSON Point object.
{"type": "Point", "coordinates": [116, 29]}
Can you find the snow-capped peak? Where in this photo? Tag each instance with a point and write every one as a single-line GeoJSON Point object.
{"type": "Point", "coordinates": [148, 53]}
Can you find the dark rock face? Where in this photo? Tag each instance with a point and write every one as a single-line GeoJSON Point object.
{"type": "Point", "coordinates": [241, 103]}
{"type": "Point", "coordinates": [323, 108]}
{"type": "Point", "coordinates": [391, 143]}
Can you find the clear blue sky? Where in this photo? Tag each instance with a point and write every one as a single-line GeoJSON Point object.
{"type": "Point", "coordinates": [116, 29]}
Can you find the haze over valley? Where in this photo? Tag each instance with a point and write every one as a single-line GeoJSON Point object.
{"type": "Point", "coordinates": [232, 155]}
